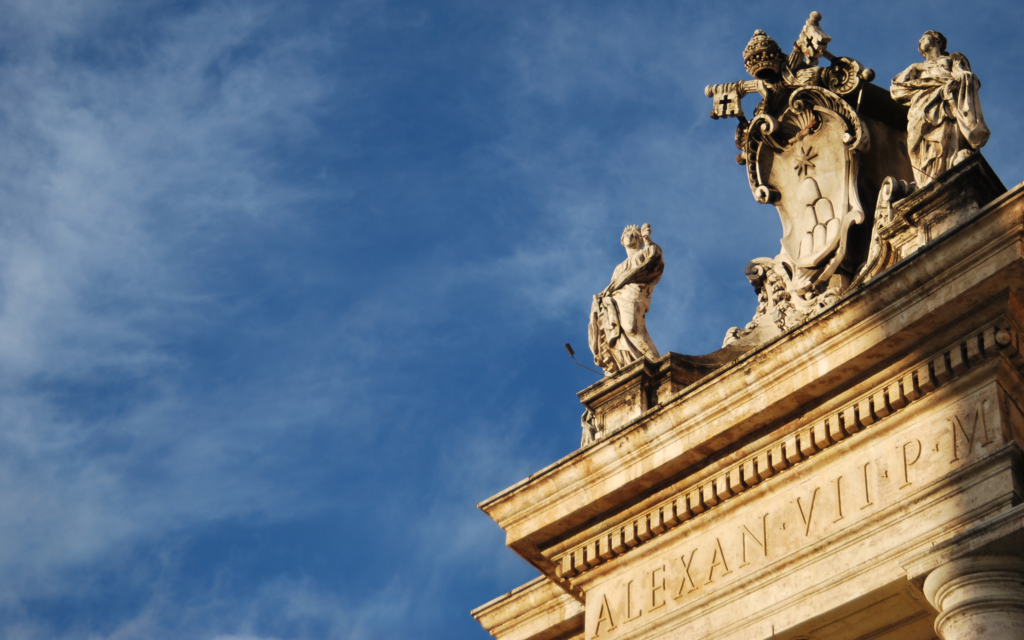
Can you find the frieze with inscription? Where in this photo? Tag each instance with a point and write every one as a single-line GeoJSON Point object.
{"type": "Point", "coordinates": [810, 510]}
{"type": "Point", "coordinates": [885, 400]}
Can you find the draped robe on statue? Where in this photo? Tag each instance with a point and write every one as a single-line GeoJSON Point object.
{"type": "Point", "coordinates": [945, 120]}
{"type": "Point", "coordinates": [618, 328]}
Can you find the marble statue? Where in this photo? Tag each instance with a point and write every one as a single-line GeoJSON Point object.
{"type": "Point", "coordinates": [945, 121]}
{"type": "Point", "coordinates": [618, 329]}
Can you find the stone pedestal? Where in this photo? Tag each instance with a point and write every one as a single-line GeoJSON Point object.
{"type": "Point", "coordinates": [979, 598]}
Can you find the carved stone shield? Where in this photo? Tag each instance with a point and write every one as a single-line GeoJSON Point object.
{"type": "Point", "coordinates": [805, 163]}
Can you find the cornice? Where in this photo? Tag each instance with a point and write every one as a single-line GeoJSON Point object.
{"type": "Point", "coordinates": [941, 282]}
{"type": "Point", "coordinates": [893, 396]}
{"type": "Point", "coordinates": [538, 610]}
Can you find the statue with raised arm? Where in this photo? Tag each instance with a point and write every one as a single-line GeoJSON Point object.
{"type": "Point", "coordinates": [945, 121]}
{"type": "Point", "coordinates": [618, 327]}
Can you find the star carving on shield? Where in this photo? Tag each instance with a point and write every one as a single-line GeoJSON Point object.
{"type": "Point", "coordinates": [802, 163]}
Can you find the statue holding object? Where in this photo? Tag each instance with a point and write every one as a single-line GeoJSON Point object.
{"type": "Point", "coordinates": [618, 328]}
{"type": "Point", "coordinates": [945, 122]}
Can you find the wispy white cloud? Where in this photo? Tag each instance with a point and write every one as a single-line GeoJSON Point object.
{"type": "Point", "coordinates": [130, 413]}
{"type": "Point", "coordinates": [120, 180]}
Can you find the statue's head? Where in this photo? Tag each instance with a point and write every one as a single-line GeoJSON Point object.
{"type": "Point", "coordinates": [762, 56]}
{"type": "Point", "coordinates": [631, 238]}
{"type": "Point", "coordinates": [932, 39]}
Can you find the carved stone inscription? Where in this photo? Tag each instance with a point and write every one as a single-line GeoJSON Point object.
{"type": "Point", "coordinates": [804, 512]}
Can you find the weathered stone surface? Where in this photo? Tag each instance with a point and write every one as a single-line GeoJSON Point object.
{"type": "Point", "coordinates": [618, 401]}
{"type": "Point", "coordinates": [618, 327]}
{"type": "Point", "coordinates": [795, 483]}
{"type": "Point", "coordinates": [538, 610]}
{"type": "Point", "coordinates": [978, 597]}
{"type": "Point", "coordinates": [851, 464]}
{"type": "Point", "coordinates": [946, 125]}
{"type": "Point", "coordinates": [841, 519]}
{"type": "Point", "coordinates": [905, 223]}
{"type": "Point", "coordinates": [821, 139]}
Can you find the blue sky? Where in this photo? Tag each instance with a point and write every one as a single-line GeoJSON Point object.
{"type": "Point", "coordinates": [284, 285]}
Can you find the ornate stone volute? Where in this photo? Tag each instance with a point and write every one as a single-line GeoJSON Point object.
{"type": "Point", "coordinates": [907, 218]}
{"type": "Point", "coordinates": [817, 148]}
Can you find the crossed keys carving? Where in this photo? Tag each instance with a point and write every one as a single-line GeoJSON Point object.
{"type": "Point", "coordinates": [763, 55]}
{"type": "Point", "coordinates": [726, 97]}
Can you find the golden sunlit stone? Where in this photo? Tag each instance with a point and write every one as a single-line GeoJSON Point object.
{"type": "Point", "coordinates": [852, 470]}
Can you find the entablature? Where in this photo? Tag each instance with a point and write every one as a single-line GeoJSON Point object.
{"type": "Point", "coordinates": [538, 610]}
{"type": "Point", "coordinates": [900, 315]}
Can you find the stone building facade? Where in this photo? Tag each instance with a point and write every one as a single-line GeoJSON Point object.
{"type": "Point", "coordinates": [849, 466]}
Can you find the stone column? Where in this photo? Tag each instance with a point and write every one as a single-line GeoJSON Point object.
{"type": "Point", "coordinates": [978, 598]}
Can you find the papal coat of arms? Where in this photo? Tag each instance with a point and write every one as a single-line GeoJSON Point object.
{"type": "Point", "coordinates": [808, 151]}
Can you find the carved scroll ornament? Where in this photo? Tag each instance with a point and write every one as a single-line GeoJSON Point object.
{"type": "Point", "coordinates": [802, 149]}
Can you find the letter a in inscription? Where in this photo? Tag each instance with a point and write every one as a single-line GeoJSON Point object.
{"type": "Point", "coordinates": [604, 615]}
{"type": "Point", "coordinates": [810, 512]}
{"type": "Point", "coordinates": [718, 560]}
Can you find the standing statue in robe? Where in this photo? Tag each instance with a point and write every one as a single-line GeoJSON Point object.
{"type": "Point", "coordinates": [618, 328]}
{"type": "Point", "coordinates": [945, 124]}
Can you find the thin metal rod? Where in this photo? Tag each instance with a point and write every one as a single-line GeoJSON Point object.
{"type": "Point", "coordinates": [572, 354]}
